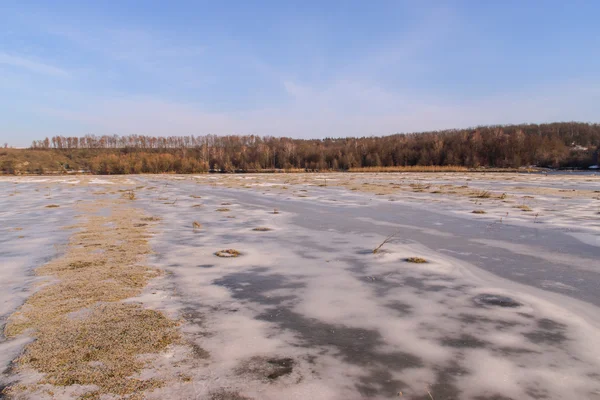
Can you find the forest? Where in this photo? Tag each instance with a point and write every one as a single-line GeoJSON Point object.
{"type": "Point", "coordinates": [554, 145]}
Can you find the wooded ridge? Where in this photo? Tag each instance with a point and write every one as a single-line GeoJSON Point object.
{"type": "Point", "coordinates": [555, 145]}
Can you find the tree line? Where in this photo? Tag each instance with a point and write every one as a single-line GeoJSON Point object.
{"type": "Point", "coordinates": [565, 144]}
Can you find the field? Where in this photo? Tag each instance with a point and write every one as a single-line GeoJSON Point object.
{"type": "Point", "coordinates": [447, 285]}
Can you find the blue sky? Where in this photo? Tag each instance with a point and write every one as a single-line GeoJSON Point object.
{"type": "Point", "coordinates": [305, 69]}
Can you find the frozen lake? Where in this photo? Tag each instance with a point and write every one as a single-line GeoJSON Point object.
{"type": "Point", "coordinates": [505, 306]}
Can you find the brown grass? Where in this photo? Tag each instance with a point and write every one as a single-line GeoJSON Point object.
{"type": "Point", "coordinates": [482, 194]}
{"type": "Point", "coordinates": [261, 229]}
{"type": "Point", "coordinates": [523, 207]}
{"type": "Point", "coordinates": [228, 253]}
{"type": "Point", "coordinates": [196, 225]}
{"type": "Point", "coordinates": [52, 206]}
{"type": "Point", "coordinates": [412, 168]}
{"type": "Point", "coordinates": [478, 212]}
{"type": "Point", "coordinates": [222, 209]}
{"type": "Point", "coordinates": [416, 260]}
{"type": "Point", "coordinates": [83, 333]}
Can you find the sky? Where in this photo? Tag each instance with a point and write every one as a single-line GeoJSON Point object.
{"type": "Point", "coordinates": [305, 69]}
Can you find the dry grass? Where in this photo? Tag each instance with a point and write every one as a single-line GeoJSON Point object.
{"type": "Point", "coordinates": [478, 212]}
{"type": "Point", "coordinates": [416, 260]}
{"type": "Point", "coordinates": [196, 225]}
{"type": "Point", "coordinates": [387, 239]}
{"type": "Point", "coordinates": [261, 229]}
{"type": "Point", "coordinates": [482, 194]}
{"type": "Point", "coordinates": [83, 333]}
{"type": "Point", "coordinates": [523, 207]}
{"type": "Point", "coordinates": [412, 168]}
{"type": "Point", "coordinates": [52, 206]}
{"type": "Point", "coordinates": [128, 194]}
{"type": "Point", "coordinates": [222, 209]}
{"type": "Point", "coordinates": [228, 253]}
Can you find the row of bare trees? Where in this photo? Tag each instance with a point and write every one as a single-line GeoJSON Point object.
{"type": "Point", "coordinates": [567, 144]}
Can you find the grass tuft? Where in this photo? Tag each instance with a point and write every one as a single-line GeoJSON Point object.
{"type": "Point", "coordinates": [523, 207]}
{"type": "Point", "coordinates": [478, 212]}
{"type": "Point", "coordinates": [262, 229]}
{"type": "Point", "coordinates": [228, 253]}
{"type": "Point", "coordinates": [52, 206]}
{"type": "Point", "coordinates": [222, 209]}
{"type": "Point", "coordinates": [482, 194]}
{"type": "Point", "coordinates": [416, 260]}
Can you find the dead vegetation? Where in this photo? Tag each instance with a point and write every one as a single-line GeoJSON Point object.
{"type": "Point", "coordinates": [387, 239]}
{"type": "Point", "coordinates": [482, 194]}
{"type": "Point", "coordinates": [523, 207]}
{"type": "Point", "coordinates": [416, 260]}
{"type": "Point", "coordinates": [478, 212]}
{"type": "Point", "coordinates": [262, 229]}
{"type": "Point", "coordinates": [222, 209]}
{"type": "Point", "coordinates": [83, 333]}
{"type": "Point", "coordinates": [228, 253]}
{"type": "Point", "coordinates": [411, 168]}
{"type": "Point", "coordinates": [196, 225]}
{"type": "Point", "coordinates": [52, 206]}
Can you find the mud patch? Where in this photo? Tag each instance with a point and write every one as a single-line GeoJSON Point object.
{"type": "Point", "coordinates": [267, 368]}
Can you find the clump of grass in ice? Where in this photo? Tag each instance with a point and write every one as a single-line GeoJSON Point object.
{"type": "Point", "coordinates": [478, 212]}
{"type": "Point", "coordinates": [228, 253]}
{"type": "Point", "coordinates": [196, 225]}
{"type": "Point", "coordinates": [523, 207]}
{"type": "Point", "coordinates": [223, 209]}
{"type": "Point", "coordinates": [482, 194]}
{"type": "Point", "coordinates": [416, 260]}
{"type": "Point", "coordinates": [52, 206]}
{"type": "Point", "coordinates": [261, 229]}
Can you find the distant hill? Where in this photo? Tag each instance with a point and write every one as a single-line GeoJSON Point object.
{"type": "Point", "coordinates": [555, 145]}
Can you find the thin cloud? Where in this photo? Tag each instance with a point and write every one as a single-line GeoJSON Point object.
{"type": "Point", "coordinates": [32, 66]}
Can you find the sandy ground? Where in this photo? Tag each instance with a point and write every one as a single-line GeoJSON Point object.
{"type": "Point", "coordinates": [506, 306]}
